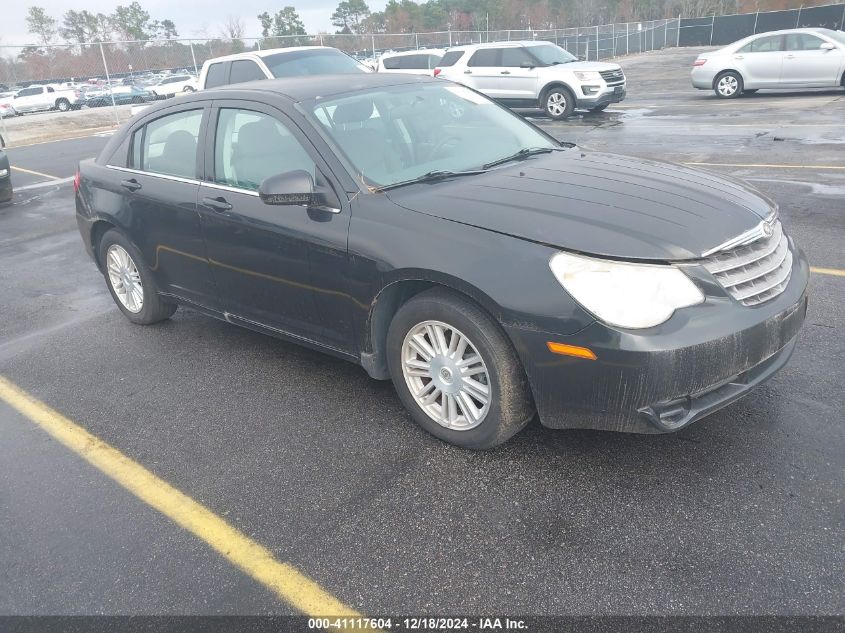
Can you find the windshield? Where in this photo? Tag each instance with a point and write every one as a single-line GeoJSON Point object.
{"type": "Point", "coordinates": [549, 54]}
{"type": "Point", "coordinates": [319, 61]}
{"type": "Point", "coordinates": [399, 133]}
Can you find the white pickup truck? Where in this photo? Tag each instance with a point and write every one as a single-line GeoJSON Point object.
{"type": "Point", "coordinates": [49, 97]}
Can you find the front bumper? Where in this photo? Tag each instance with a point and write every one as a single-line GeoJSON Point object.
{"type": "Point", "coordinates": [664, 378]}
{"type": "Point", "coordinates": [604, 96]}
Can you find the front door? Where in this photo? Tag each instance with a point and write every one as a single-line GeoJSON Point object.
{"type": "Point", "coordinates": [281, 267]}
{"type": "Point", "coordinates": [806, 64]}
{"type": "Point", "coordinates": [518, 75]}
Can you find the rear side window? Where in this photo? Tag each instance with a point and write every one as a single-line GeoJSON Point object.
{"type": "Point", "coordinates": [763, 45]}
{"type": "Point", "coordinates": [169, 144]}
{"type": "Point", "coordinates": [391, 63]}
{"type": "Point", "coordinates": [485, 57]}
{"type": "Point", "coordinates": [245, 70]}
{"type": "Point", "coordinates": [450, 58]}
{"type": "Point", "coordinates": [215, 77]}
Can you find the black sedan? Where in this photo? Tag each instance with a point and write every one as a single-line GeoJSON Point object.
{"type": "Point", "coordinates": [417, 228]}
{"type": "Point", "coordinates": [121, 96]}
{"type": "Point", "coordinates": [5, 174]}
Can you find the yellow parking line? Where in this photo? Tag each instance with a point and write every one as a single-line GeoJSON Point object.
{"type": "Point", "coordinates": [769, 166]}
{"type": "Point", "coordinates": [828, 271]}
{"type": "Point", "coordinates": [283, 579]}
{"type": "Point", "coordinates": [35, 173]}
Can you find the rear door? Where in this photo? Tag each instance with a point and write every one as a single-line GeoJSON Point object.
{"type": "Point", "coordinates": [760, 61]}
{"type": "Point", "coordinates": [280, 267]}
{"type": "Point", "coordinates": [158, 185]}
{"type": "Point", "coordinates": [806, 64]}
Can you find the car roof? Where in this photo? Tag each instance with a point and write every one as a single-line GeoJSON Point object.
{"type": "Point", "coordinates": [314, 86]}
{"type": "Point", "coordinates": [421, 51]}
{"type": "Point", "coordinates": [265, 53]}
{"type": "Point", "coordinates": [511, 44]}
{"type": "Point", "coordinates": [808, 29]}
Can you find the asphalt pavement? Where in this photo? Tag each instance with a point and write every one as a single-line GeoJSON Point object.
{"type": "Point", "coordinates": [739, 514]}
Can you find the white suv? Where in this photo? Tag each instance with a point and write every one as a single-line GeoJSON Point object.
{"type": "Point", "coordinates": [534, 74]}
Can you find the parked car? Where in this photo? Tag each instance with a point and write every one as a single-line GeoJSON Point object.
{"type": "Point", "coordinates": [295, 61]}
{"type": "Point", "coordinates": [39, 98]}
{"type": "Point", "coordinates": [534, 75]}
{"type": "Point", "coordinates": [121, 96]}
{"type": "Point", "coordinates": [6, 108]}
{"type": "Point", "coordinates": [417, 228]}
{"type": "Point", "coordinates": [790, 59]}
{"type": "Point", "coordinates": [421, 62]}
{"type": "Point", "coordinates": [5, 174]}
{"type": "Point", "coordinates": [172, 85]}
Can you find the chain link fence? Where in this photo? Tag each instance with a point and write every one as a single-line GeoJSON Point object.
{"type": "Point", "coordinates": [98, 62]}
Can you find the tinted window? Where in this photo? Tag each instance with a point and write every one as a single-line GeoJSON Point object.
{"type": "Point", "coordinates": [802, 42]}
{"type": "Point", "coordinates": [214, 77]}
{"type": "Point", "coordinates": [763, 45]}
{"type": "Point", "coordinates": [414, 62]}
{"type": "Point", "coordinates": [251, 146]}
{"type": "Point", "coordinates": [26, 92]}
{"type": "Point", "coordinates": [170, 144]}
{"type": "Point", "coordinates": [391, 63]}
{"type": "Point", "coordinates": [450, 58]}
{"type": "Point", "coordinates": [118, 158]}
{"type": "Point", "coordinates": [485, 57]}
{"type": "Point", "coordinates": [51, 89]}
{"type": "Point", "coordinates": [516, 57]}
{"type": "Point", "coordinates": [320, 61]}
{"type": "Point", "coordinates": [245, 70]}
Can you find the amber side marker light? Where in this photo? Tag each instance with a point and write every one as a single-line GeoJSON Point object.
{"type": "Point", "coordinates": [571, 350]}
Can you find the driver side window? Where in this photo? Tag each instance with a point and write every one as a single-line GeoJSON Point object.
{"type": "Point", "coordinates": [251, 146]}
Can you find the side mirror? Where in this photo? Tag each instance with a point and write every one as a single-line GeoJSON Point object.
{"type": "Point", "coordinates": [526, 65]}
{"type": "Point", "coordinates": [289, 188]}
{"type": "Point", "coordinates": [827, 46]}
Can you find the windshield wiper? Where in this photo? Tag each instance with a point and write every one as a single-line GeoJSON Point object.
{"type": "Point", "coordinates": [523, 153]}
{"type": "Point", "coordinates": [432, 176]}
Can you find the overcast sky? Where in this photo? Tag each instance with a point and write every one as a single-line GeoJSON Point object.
{"type": "Point", "coordinates": [193, 18]}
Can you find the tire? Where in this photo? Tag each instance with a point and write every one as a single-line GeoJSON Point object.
{"type": "Point", "coordinates": [565, 102]}
{"type": "Point", "coordinates": [728, 85]}
{"type": "Point", "coordinates": [509, 405]}
{"type": "Point", "coordinates": [62, 105]}
{"type": "Point", "coordinates": [188, 89]}
{"type": "Point", "coordinates": [152, 307]}
{"type": "Point", "coordinates": [746, 91]}
{"type": "Point", "coordinates": [600, 108]}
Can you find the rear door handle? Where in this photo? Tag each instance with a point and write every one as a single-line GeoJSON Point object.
{"type": "Point", "coordinates": [218, 204]}
{"type": "Point", "coordinates": [739, 57]}
{"type": "Point", "coordinates": [131, 185]}
{"type": "Point", "coordinates": [790, 56]}
{"type": "Point", "coordinates": [505, 72]}
{"type": "Point", "coordinates": [467, 72]}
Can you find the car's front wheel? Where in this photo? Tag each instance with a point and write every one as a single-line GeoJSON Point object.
{"type": "Point", "coordinates": [63, 105]}
{"type": "Point", "coordinates": [456, 372]}
{"type": "Point", "coordinates": [728, 85]}
{"type": "Point", "coordinates": [130, 281]}
{"type": "Point", "coordinates": [558, 102]}
{"type": "Point", "coordinates": [188, 89]}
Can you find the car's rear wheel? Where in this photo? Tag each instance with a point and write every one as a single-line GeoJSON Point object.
{"type": "Point", "coordinates": [558, 102]}
{"type": "Point", "coordinates": [63, 105]}
{"type": "Point", "coordinates": [728, 85]}
{"type": "Point", "coordinates": [130, 281]}
{"type": "Point", "coordinates": [456, 372]}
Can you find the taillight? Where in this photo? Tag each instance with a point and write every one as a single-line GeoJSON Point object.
{"type": "Point", "coordinates": [76, 181]}
{"type": "Point", "coordinates": [437, 71]}
{"type": "Point", "coordinates": [699, 62]}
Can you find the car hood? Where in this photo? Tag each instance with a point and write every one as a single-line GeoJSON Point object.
{"type": "Point", "coordinates": [597, 203]}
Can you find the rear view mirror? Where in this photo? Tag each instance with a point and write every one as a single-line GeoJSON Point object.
{"type": "Point", "coordinates": [291, 187]}
{"type": "Point", "coordinates": [827, 46]}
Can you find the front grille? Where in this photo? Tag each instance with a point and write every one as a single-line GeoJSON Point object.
{"type": "Point", "coordinates": [612, 76]}
{"type": "Point", "coordinates": [757, 272]}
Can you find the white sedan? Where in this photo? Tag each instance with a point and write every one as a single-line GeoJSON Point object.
{"type": "Point", "coordinates": [795, 58]}
{"type": "Point", "coordinates": [173, 85]}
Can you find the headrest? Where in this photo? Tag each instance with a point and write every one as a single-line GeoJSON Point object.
{"type": "Point", "coordinates": [353, 111]}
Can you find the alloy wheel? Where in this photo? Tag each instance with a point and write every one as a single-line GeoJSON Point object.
{"type": "Point", "coordinates": [124, 278]}
{"type": "Point", "coordinates": [727, 85]}
{"type": "Point", "coordinates": [446, 375]}
{"type": "Point", "coordinates": [556, 103]}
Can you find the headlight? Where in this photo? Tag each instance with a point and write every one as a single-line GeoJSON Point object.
{"type": "Point", "coordinates": [623, 294]}
{"type": "Point", "coordinates": [590, 75]}
{"type": "Point", "coordinates": [4, 173]}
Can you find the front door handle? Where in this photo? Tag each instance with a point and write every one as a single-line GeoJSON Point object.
{"type": "Point", "coordinates": [131, 185]}
{"type": "Point", "coordinates": [467, 72]}
{"type": "Point", "coordinates": [505, 72]}
{"type": "Point", "coordinates": [739, 57]}
{"type": "Point", "coordinates": [218, 204]}
{"type": "Point", "coordinates": [790, 56]}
